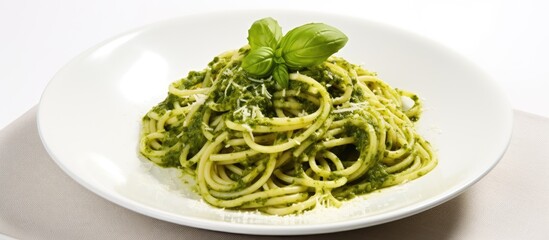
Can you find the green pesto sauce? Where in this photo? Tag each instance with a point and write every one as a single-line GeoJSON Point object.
{"type": "Point", "coordinates": [359, 133]}
{"type": "Point", "coordinates": [192, 79]}
{"type": "Point", "coordinates": [191, 135]}
{"type": "Point", "coordinates": [239, 95]}
{"type": "Point", "coordinates": [371, 181]}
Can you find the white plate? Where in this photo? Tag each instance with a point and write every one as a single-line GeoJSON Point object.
{"type": "Point", "coordinates": [89, 118]}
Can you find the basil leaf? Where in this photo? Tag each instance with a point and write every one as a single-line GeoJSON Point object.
{"type": "Point", "coordinates": [304, 46]}
{"type": "Point", "coordinates": [259, 62]}
{"type": "Point", "coordinates": [264, 33]}
{"type": "Point", "coordinates": [311, 44]}
{"type": "Point", "coordinates": [281, 76]}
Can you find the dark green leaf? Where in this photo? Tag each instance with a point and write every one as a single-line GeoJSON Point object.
{"type": "Point", "coordinates": [264, 33]}
{"type": "Point", "coordinates": [311, 44]}
{"type": "Point", "coordinates": [281, 76]}
{"type": "Point", "coordinates": [259, 62]}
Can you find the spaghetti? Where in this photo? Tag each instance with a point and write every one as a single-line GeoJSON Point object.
{"type": "Point", "coordinates": [336, 132]}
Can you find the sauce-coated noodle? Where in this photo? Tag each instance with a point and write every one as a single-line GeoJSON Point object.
{"type": "Point", "coordinates": [336, 132]}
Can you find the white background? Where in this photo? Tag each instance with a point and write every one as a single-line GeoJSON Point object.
{"type": "Point", "coordinates": [509, 39]}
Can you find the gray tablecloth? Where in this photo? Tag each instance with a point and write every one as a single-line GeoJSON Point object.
{"type": "Point", "coordinates": [39, 201]}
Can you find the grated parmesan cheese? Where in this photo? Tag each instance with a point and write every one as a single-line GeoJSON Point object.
{"type": "Point", "coordinates": [354, 107]}
{"type": "Point", "coordinates": [249, 129]}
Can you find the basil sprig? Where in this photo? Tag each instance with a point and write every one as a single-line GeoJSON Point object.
{"type": "Point", "coordinates": [264, 33]}
{"type": "Point", "coordinates": [304, 46]}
